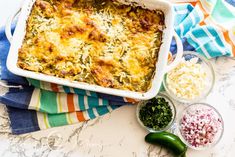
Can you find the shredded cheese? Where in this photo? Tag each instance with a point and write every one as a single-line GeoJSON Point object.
{"type": "Point", "coordinates": [99, 42]}
{"type": "Point", "coordinates": [187, 80]}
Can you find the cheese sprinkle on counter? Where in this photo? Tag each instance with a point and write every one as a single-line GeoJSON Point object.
{"type": "Point", "coordinates": [187, 80]}
{"type": "Point", "coordinates": [100, 42]}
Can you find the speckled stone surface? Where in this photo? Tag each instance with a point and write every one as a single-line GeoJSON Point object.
{"type": "Point", "coordinates": [117, 134]}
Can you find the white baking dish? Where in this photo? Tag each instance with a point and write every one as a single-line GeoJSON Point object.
{"type": "Point", "coordinates": [161, 67]}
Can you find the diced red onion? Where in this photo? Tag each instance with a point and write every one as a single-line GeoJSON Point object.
{"type": "Point", "coordinates": [200, 126]}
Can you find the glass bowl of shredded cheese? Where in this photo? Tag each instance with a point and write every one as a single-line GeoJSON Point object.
{"type": "Point", "coordinates": [191, 80]}
{"type": "Point", "coordinates": [200, 126]}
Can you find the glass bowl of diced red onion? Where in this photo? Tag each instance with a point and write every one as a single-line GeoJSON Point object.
{"type": "Point", "coordinates": [200, 126]}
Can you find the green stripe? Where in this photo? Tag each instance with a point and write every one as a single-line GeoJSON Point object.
{"type": "Point", "coordinates": [66, 89]}
{"type": "Point", "coordinates": [45, 120]}
{"type": "Point", "coordinates": [93, 102]}
{"type": "Point", "coordinates": [35, 83]}
{"type": "Point", "coordinates": [102, 110]}
{"type": "Point", "coordinates": [48, 101]}
{"type": "Point", "coordinates": [221, 14]}
{"type": "Point", "coordinates": [210, 1]}
{"type": "Point", "coordinates": [81, 102]}
{"type": "Point", "coordinates": [57, 119]}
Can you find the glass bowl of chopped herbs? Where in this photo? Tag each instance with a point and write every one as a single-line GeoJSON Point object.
{"type": "Point", "coordinates": [157, 114]}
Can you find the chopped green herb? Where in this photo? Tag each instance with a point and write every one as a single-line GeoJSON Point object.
{"type": "Point", "coordinates": [156, 113]}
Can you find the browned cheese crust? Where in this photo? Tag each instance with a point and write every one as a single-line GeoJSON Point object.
{"type": "Point", "coordinates": [100, 42]}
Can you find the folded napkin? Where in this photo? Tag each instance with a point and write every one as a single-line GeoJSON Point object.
{"type": "Point", "coordinates": [35, 105]}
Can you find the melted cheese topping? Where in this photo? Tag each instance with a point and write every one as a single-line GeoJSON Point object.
{"type": "Point", "coordinates": [95, 41]}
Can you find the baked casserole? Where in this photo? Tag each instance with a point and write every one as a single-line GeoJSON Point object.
{"type": "Point", "coordinates": [100, 42]}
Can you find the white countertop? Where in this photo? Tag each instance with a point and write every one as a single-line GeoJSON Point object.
{"type": "Point", "coordinates": [116, 134]}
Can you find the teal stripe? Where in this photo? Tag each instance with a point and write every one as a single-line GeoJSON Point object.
{"type": "Point", "coordinates": [210, 44]}
{"type": "Point", "coordinates": [215, 34]}
{"type": "Point", "coordinates": [188, 7]}
{"type": "Point", "coordinates": [187, 23]}
{"type": "Point", "coordinates": [102, 110]}
{"type": "Point", "coordinates": [93, 94]}
{"type": "Point", "coordinates": [201, 52]}
{"type": "Point", "coordinates": [196, 17]}
{"type": "Point", "coordinates": [91, 114]}
{"type": "Point", "coordinates": [201, 36]}
{"type": "Point", "coordinates": [66, 89]}
{"type": "Point", "coordinates": [180, 17]}
{"type": "Point", "coordinates": [212, 48]}
{"type": "Point", "coordinates": [191, 41]}
{"type": "Point", "coordinates": [105, 102]}
{"type": "Point", "coordinates": [114, 106]}
{"type": "Point", "coordinates": [48, 102]}
{"type": "Point", "coordinates": [216, 41]}
{"type": "Point", "coordinates": [81, 102]}
{"type": "Point", "coordinates": [93, 102]}
{"type": "Point", "coordinates": [57, 119]}
{"type": "Point", "coordinates": [35, 83]}
{"type": "Point", "coordinates": [195, 45]}
{"type": "Point", "coordinates": [79, 91]}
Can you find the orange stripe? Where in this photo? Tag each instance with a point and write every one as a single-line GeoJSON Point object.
{"type": "Point", "coordinates": [70, 103]}
{"type": "Point", "coordinates": [131, 100]}
{"type": "Point", "coordinates": [202, 23]}
{"type": "Point", "coordinates": [203, 10]}
{"type": "Point", "coordinates": [80, 116]}
{"type": "Point", "coordinates": [170, 58]}
{"type": "Point", "coordinates": [204, 13]}
{"type": "Point", "coordinates": [193, 3]}
{"type": "Point", "coordinates": [216, 24]}
{"type": "Point", "coordinates": [228, 40]}
{"type": "Point", "coordinates": [54, 87]}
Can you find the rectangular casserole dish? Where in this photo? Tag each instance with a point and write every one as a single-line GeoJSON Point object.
{"type": "Point", "coordinates": [161, 65]}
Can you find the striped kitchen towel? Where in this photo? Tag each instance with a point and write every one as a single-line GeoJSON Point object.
{"type": "Point", "coordinates": [206, 27]}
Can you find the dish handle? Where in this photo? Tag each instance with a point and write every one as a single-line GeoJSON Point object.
{"type": "Point", "coordinates": [9, 23]}
{"type": "Point", "coordinates": [179, 54]}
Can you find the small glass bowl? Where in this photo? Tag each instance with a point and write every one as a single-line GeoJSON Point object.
{"type": "Point", "coordinates": [173, 109]}
{"type": "Point", "coordinates": [189, 109]}
{"type": "Point", "coordinates": [210, 79]}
